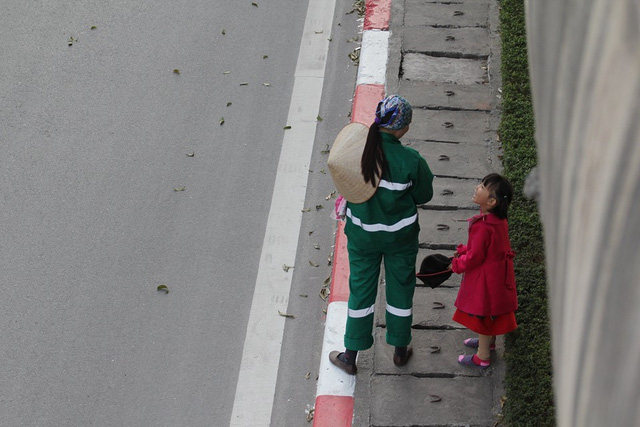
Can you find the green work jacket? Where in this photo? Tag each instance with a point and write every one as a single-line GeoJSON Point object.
{"type": "Point", "coordinates": [390, 216]}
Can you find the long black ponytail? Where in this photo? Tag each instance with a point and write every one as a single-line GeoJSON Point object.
{"type": "Point", "coordinates": [374, 163]}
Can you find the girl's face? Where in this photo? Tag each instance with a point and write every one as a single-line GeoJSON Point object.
{"type": "Point", "coordinates": [483, 197]}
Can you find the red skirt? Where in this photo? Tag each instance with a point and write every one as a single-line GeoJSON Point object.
{"type": "Point", "coordinates": [487, 325]}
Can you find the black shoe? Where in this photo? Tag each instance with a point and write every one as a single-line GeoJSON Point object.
{"type": "Point", "coordinates": [349, 369]}
{"type": "Point", "coordinates": [402, 360]}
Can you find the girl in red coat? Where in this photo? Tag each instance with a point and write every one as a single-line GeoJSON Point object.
{"type": "Point", "coordinates": [487, 297]}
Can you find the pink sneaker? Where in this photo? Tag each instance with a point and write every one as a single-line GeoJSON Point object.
{"type": "Point", "coordinates": [474, 342]}
{"type": "Point", "coordinates": [473, 360]}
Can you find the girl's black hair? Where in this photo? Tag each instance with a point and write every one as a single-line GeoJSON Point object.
{"type": "Point", "coordinates": [501, 190]}
{"type": "Point", "coordinates": [373, 162]}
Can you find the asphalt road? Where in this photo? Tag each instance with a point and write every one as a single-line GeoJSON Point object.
{"type": "Point", "coordinates": [118, 176]}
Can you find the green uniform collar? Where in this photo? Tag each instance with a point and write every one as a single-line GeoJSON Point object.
{"type": "Point", "coordinates": [387, 137]}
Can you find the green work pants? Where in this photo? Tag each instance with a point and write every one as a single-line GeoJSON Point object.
{"type": "Point", "coordinates": [400, 275]}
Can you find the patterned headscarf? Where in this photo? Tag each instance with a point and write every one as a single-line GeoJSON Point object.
{"type": "Point", "coordinates": [400, 109]}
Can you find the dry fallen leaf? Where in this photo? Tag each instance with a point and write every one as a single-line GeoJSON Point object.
{"type": "Point", "coordinates": [163, 288]}
{"type": "Point", "coordinates": [503, 400]}
{"type": "Point", "coordinates": [179, 188]}
{"type": "Point", "coordinates": [191, 154]}
{"type": "Point", "coordinates": [221, 121]}
{"type": "Point", "coordinates": [355, 56]}
{"type": "Point", "coordinates": [313, 264]}
{"type": "Point", "coordinates": [291, 316]}
{"type": "Point", "coordinates": [286, 267]}
{"type": "Point", "coordinates": [176, 71]}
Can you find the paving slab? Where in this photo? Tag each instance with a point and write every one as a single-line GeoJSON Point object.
{"type": "Point", "coordinates": [451, 192]}
{"type": "Point", "coordinates": [462, 160]}
{"type": "Point", "coordinates": [404, 400]}
{"type": "Point", "coordinates": [423, 67]}
{"type": "Point", "coordinates": [439, 228]}
{"type": "Point", "coordinates": [432, 308]}
{"type": "Point", "coordinates": [442, 95]}
{"type": "Point", "coordinates": [435, 355]}
{"type": "Point", "coordinates": [454, 42]}
{"type": "Point", "coordinates": [453, 14]}
{"type": "Point", "coordinates": [450, 126]}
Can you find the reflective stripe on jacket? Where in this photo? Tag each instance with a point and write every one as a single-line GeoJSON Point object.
{"type": "Point", "coordinates": [391, 214]}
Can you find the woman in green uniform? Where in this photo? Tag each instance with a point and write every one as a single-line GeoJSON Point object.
{"type": "Point", "coordinates": [384, 227]}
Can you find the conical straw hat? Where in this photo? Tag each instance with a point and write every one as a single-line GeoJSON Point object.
{"type": "Point", "coordinates": [344, 164]}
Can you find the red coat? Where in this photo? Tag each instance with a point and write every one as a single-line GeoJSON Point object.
{"type": "Point", "coordinates": [488, 286]}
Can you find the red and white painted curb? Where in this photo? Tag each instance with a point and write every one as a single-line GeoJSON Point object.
{"type": "Point", "coordinates": [334, 395]}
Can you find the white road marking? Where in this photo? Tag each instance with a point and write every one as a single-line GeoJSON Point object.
{"type": "Point", "coordinates": [261, 354]}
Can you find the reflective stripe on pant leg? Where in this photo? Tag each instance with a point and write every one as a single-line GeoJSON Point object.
{"type": "Point", "coordinates": [400, 265]}
{"type": "Point", "coordinates": [400, 312]}
{"type": "Point", "coordinates": [364, 273]}
{"type": "Point", "coordinates": [357, 314]}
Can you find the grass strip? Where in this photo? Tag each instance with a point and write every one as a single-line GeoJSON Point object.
{"type": "Point", "coordinates": [528, 382]}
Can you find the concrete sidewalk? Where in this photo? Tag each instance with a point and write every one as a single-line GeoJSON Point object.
{"type": "Point", "coordinates": [444, 58]}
